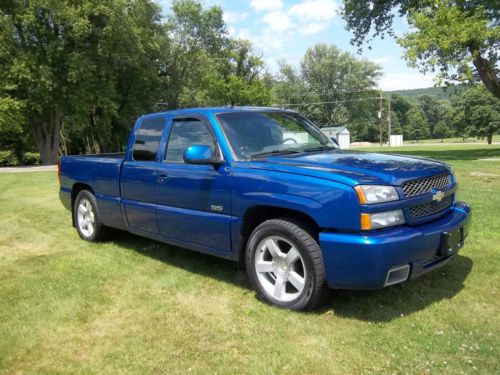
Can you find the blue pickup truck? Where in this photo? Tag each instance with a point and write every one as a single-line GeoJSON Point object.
{"type": "Point", "coordinates": [266, 188]}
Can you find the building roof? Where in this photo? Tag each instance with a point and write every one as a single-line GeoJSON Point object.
{"type": "Point", "coordinates": [338, 129]}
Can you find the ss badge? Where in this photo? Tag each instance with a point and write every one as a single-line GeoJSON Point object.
{"type": "Point", "coordinates": [214, 207]}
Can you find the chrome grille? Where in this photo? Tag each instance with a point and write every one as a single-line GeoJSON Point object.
{"type": "Point", "coordinates": [425, 185]}
{"type": "Point", "coordinates": [431, 208]}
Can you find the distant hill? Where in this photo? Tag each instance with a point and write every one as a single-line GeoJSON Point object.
{"type": "Point", "coordinates": [436, 92]}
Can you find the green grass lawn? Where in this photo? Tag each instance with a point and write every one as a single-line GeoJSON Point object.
{"type": "Point", "coordinates": [136, 306]}
{"type": "Point", "coordinates": [496, 138]}
{"type": "Point", "coordinates": [439, 141]}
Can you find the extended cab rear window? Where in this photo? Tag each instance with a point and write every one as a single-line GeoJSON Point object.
{"type": "Point", "coordinates": [147, 139]}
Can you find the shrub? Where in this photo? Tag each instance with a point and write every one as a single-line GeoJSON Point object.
{"type": "Point", "coordinates": [8, 158]}
{"type": "Point", "coordinates": [30, 158]}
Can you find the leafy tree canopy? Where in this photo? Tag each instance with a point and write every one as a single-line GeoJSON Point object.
{"type": "Point", "coordinates": [447, 36]}
{"type": "Point", "coordinates": [77, 74]}
{"type": "Point", "coordinates": [478, 112]}
{"type": "Point", "coordinates": [418, 127]}
{"type": "Point", "coordinates": [330, 88]}
{"type": "Point", "coordinates": [86, 61]}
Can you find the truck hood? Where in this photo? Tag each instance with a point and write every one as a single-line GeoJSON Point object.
{"type": "Point", "coordinates": [354, 167]}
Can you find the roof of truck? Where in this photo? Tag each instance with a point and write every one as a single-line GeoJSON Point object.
{"type": "Point", "coordinates": [215, 110]}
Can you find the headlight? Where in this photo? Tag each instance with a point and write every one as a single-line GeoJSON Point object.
{"type": "Point", "coordinates": [454, 175]}
{"type": "Point", "coordinates": [368, 194]}
{"type": "Point", "coordinates": [382, 219]}
{"type": "Point", "coordinates": [452, 172]}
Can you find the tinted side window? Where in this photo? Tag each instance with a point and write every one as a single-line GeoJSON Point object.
{"type": "Point", "coordinates": [185, 133]}
{"type": "Point", "coordinates": [147, 139]}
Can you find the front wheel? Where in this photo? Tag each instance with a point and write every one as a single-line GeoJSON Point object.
{"type": "Point", "coordinates": [285, 264]}
{"type": "Point", "coordinates": [87, 218]}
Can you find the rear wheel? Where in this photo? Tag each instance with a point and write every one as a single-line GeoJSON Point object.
{"type": "Point", "coordinates": [285, 264]}
{"type": "Point", "coordinates": [87, 218]}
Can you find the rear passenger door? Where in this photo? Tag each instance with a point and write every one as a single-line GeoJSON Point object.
{"type": "Point", "coordinates": [139, 175]}
{"type": "Point", "coordinates": [194, 201]}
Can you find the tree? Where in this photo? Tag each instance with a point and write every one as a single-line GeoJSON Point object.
{"type": "Point", "coordinates": [239, 80]}
{"type": "Point", "coordinates": [396, 127]}
{"type": "Point", "coordinates": [198, 43]}
{"type": "Point", "coordinates": [289, 87]}
{"type": "Point", "coordinates": [457, 119]}
{"type": "Point", "coordinates": [447, 35]}
{"type": "Point", "coordinates": [12, 135]}
{"type": "Point", "coordinates": [203, 66]}
{"type": "Point", "coordinates": [236, 91]}
{"type": "Point", "coordinates": [77, 74]}
{"type": "Point", "coordinates": [90, 63]}
{"type": "Point", "coordinates": [330, 88]}
{"type": "Point", "coordinates": [417, 124]}
{"type": "Point", "coordinates": [479, 112]}
{"type": "Point", "coordinates": [433, 109]}
{"type": "Point", "coordinates": [400, 107]}
{"type": "Point", "coordinates": [442, 130]}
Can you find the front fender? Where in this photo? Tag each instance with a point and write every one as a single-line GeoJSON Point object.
{"type": "Point", "coordinates": [330, 204]}
{"type": "Point", "coordinates": [282, 200]}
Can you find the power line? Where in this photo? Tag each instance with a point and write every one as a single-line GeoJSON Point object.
{"type": "Point", "coordinates": [329, 102]}
{"type": "Point", "coordinates": [318, 93]}
{"type": "Point", "coordinates": [381, 114]}
{"type": "Point", "coordinates": [328, 92]}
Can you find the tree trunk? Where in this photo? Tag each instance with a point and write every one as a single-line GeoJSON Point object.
{"type": "Point", "coordinates": [486, 72]}
{"type": "Point", "coordinates": [64, 144]}
{"type": "Point", "coordinates": [47, 136]}
{"type": "Point", "coordinates": [490, 138]}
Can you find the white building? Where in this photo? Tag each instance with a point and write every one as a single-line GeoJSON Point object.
{"type": "Point", "coordinates": [341, 134]}
{"type": "Point", "coordinates": [396, 140]}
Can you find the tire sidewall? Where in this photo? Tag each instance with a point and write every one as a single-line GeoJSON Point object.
{"type": "Point", "coordinates": [271, 228]}
{"type": "Point", "coordinates": [85, 194]}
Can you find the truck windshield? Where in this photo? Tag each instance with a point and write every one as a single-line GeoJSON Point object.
{"type": "Point", "coordinates": [257, 134]}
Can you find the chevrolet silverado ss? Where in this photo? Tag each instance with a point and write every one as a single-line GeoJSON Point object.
{"type": "Point", "coordinates": [266, 188]}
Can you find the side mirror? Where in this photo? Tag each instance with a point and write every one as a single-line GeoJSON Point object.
{"type": "Point", "coordinates": [200, 154]}
{"type": "Point", "coordinates": [334, 140]}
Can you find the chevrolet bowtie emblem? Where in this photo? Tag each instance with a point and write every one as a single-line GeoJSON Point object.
{"type": "Point", "coordinates": [438, 196]}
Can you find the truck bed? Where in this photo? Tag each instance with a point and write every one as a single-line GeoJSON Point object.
{"type": "Point", "coordinates": [99, 172]}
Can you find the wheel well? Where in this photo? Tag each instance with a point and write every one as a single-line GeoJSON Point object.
{"type": "Point", "coordinates": [256, 215]}
{"type": "Point", "coordinates": [77, 188]}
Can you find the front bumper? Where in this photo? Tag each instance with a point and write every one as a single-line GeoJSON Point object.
{"type": "Point", "coordinates": [363, 260]}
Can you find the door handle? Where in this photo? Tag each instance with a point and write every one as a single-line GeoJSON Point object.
{"type": "Point", "coordinates": [163, 177]}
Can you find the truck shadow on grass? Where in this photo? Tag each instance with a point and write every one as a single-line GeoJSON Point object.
{"type": "Point", "coordinates": [404, 299]}
{"type": "Point", "coordinates": [376, 306]}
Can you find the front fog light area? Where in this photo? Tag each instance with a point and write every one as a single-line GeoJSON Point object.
{"type": "Point", "coordinates": [382, 219]}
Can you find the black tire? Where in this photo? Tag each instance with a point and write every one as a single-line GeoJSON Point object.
{"type": "Point", "coordinates": [100, 232]}
{"type": "Point", "coordinates": [300, 236]}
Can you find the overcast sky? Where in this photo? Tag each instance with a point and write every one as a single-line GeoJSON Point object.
{"type": "Point", "coordinates": [286, 28]}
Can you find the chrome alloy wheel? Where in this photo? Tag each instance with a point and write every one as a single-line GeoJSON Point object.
{"type": "Point", "coordinates": [86, 218]}
{"type": "Point", "coordinates": [280, 269]}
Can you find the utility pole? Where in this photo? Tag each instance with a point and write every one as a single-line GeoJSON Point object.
{"type": "Point", "coordinates": [389, 122]}
{"type": "Point", "coordinates": [381, 128]}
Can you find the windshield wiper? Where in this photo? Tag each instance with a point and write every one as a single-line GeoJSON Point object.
{"type": "Point", "coordinates": [319, 148]}
{"type": "Point", "coordinates": [275, 152]}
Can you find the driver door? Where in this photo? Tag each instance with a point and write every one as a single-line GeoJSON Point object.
{"type": "Point", "coordinates": [193, 201]}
